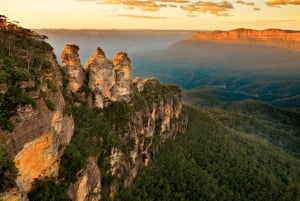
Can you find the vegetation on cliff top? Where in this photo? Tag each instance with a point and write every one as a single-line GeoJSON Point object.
{"type": "Point", "coordinates": [24, 59]}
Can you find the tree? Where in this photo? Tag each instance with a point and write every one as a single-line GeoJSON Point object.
{"type": "Point", "coordinates": [8, 171]}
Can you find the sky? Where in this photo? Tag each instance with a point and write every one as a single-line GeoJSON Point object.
{"type": "Point", "coordinates": [160, 14]}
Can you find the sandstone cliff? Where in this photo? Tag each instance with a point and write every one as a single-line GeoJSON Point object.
{"type": "Point", "coordinates": [148, 114]}
{"type": "Point", "coordinates": [126, 121]}
{"type": "Point", "coordinates": [39, 132]}
{"type": "Point", "coordinates": [273, 37]}
{"type": "Point", "coordinates": [109, 80]}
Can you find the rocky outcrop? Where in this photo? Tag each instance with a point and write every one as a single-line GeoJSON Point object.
{"type": "Point", "coordinates": [72, 67]}
{"type": "Point", "coordinates": [109, 80]}
{"type": "Point", "coordinates": [122, 89]}
{"type": "Point", "coordinates": [102, 78]}
{"type": "Point", "coordinates": [88, 184]}
{"type": "Point", "coordinates": [274, 37]}
{"type": "Point", "coordinates": [138, 84]}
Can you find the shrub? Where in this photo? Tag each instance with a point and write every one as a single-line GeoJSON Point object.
{"type": "Point", "coordinates": [50, 104]}
{"type": "Point", "coordinates": [48, 189]}
{"type": "Point", "coordinates": [8, 171]}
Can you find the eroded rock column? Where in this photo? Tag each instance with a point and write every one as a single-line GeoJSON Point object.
{"type": "Point", "coordinates": [72, 67]}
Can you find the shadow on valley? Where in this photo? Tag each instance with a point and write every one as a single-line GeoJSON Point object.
{"type": "Point", "coordinates": [261, 72]}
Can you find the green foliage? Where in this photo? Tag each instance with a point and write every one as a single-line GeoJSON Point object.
{"type": "Point", "coordinates": [9, 101]}
{"type": "Point", "coordinates": [24, 58]}
{"type": "Point", "coordinates": [279, 126]}
{"type": "Point", "coordinates": [48, 189]}
{"type": "Point", "coordinates": [8, 171]}
{"type": "Point", "coordinates": [90, 132]}
{"type": "Point", "coordinates": [50, 104]}
{"type": "Point", "coordinates": [117, 115]}
{"type": "Point", "coordinates": [211, 162]}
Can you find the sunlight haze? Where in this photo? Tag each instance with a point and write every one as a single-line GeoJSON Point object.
{"type": "Point", "coordinates": [161, 14]}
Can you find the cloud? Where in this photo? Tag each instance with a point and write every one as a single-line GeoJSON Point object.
{"type": "Point", "coordinates": [145, 5]}
{"type": "Point", "coordinates": [131, 4]}
{"type": "Point", "coordinates": [256, 9]}
{"type": "Point", "coordinates": [245, 3]}
{"type": "Point", "coordinates": [282, 2]}
{"type": "Point", "coordinates": [218, 9]}
{"type": "Point", "coordinates": [140, 16]}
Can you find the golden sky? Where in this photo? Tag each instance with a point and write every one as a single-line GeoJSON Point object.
{"type": "Point", "coordinates": [159, 14]}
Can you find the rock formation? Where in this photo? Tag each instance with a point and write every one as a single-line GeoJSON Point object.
{"type": "Point", "coordinates": [43, 130]}
{"type": "Point", "coordinates": [122, 89]}
{"type": "Point", "coordinates": [88, 185]}
{"type": "Point", "coordinates": [151, 123]}
{"type": "Point", "coordinates": [274, 37]}
{"type": "Point", "coordinates": [72, 66]}
{"type": "Point", "coordinates": [109, 80]}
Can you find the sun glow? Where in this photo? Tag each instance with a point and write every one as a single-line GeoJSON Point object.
{"type": "Point", "coordinates": [161, 14]}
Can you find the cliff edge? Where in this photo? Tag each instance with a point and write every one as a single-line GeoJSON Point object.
{"type": "Point", "coordinates": [273, 37]}
{"type": "Point", "coordinates": [76, 133]}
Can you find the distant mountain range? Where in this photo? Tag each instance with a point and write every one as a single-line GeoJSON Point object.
{"type": "Point", "coordinates": [273, 37]}
{"type": "Point", "coordinates": [242, 61]}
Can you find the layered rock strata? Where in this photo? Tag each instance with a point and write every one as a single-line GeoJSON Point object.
{"type": "Point", "coordinates": [274, 37]}
{"type": "Point", "coordinates": [40, 133]}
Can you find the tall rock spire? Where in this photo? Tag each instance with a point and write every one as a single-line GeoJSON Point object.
{"type": "Point", "coordinates": [102, 77]}
{"type": "Point", "coordinates": [72, 67]}
{"type": "Point", "coordinates": [122, 67]}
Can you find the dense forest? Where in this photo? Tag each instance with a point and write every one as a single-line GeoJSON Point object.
{"type": "Point", "coordinates": [212, 162]}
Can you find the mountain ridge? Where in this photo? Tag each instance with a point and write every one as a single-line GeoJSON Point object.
{"type": "Point", "coordinates": [275, 37]}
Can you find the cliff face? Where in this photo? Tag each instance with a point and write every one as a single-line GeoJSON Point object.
{"type": "Point", "coordinates": [40, 125]}
{"type": "Point", "coordinates": [152, 116]}
{"type": "Point", "coordinates": [147, 129]}
{"type": "Point", "coordinates": [39, 132]}
{"type": "Point", "coordinates": [273, 37]}
{"type": "Point", "coordinates": [88, 185]}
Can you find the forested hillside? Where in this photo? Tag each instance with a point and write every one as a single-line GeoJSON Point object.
{"type": "Point", "coordinates": [212, 162]}
{"type": "Point", "coordinates": [280, 126]}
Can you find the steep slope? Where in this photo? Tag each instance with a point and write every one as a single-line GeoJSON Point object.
{"type": "Point", "coordinates": [279, 126]}
{"type": "Point", "coordinates": [212, 162]}
{"type": "Point", "coordinates": [34, 128]}
{"type": "Point", "coordinates": [73, 133]}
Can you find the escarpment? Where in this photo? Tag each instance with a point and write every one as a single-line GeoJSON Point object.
{"type": "Point", "coordinates": [141, 116]}
{"type": "Point", "coordinates": [34, 128]}
{"type": "Point", "coordinates": [83, 131]}
{"type": "Point", "coordinates": [273, 37]}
